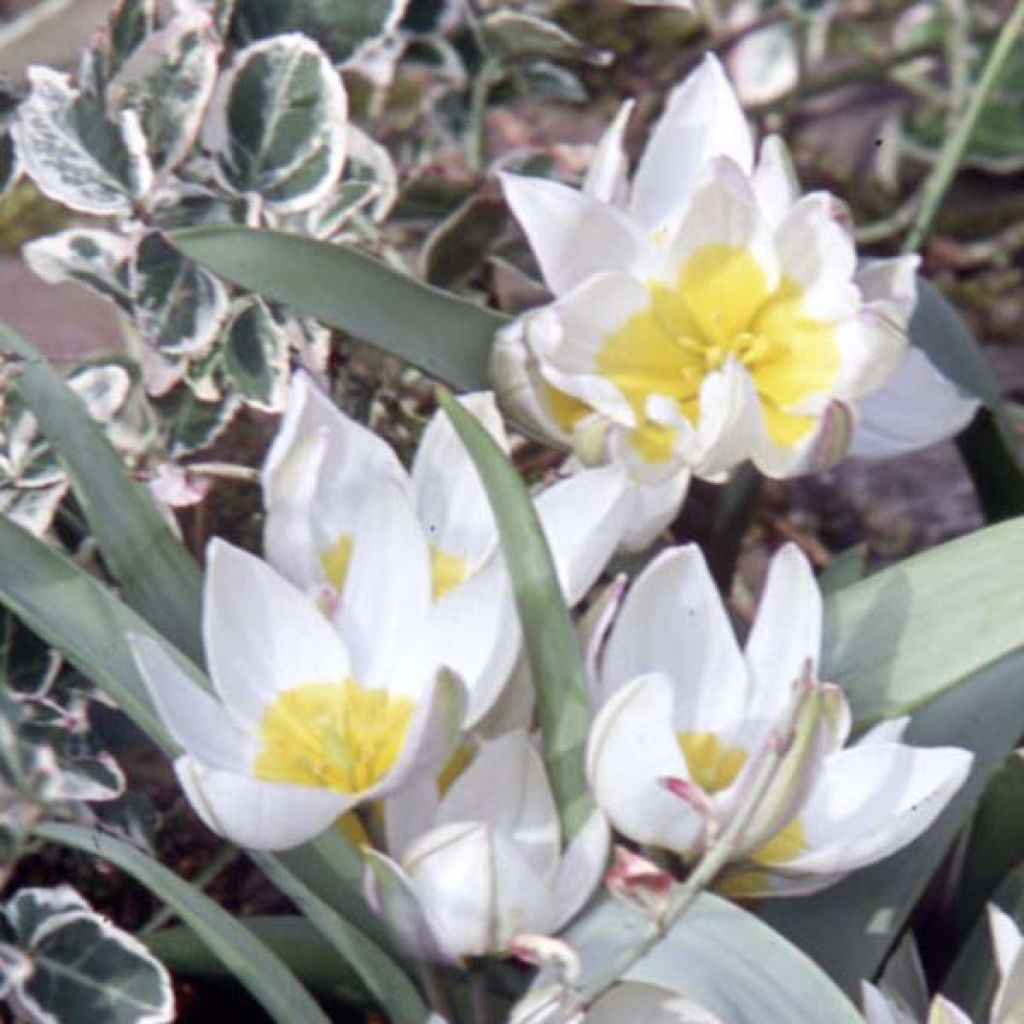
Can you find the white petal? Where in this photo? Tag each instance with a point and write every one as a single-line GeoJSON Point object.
{"type": "Point", "coordinates": [878, 1009]}
{"type": "Point", "coordinates": [524, 901]}
{"type": "Point", "coordinates": [410, 812]}
{"type": "Point", "coordinates": [702, 120]}
{"type": "Point", "coordinates": [255, 814]}
{"type": "Point", "coordinates": [474, 630]}
{"type": "Point", "coordinates": [632, 746]}
{"type": "Point", "coordinates": [944, 1012]}
{"type": "Point", "coordinates": [786, 633]}
{"type": "Point", "coordinates": [889, 731]}
{"type": "Point", "coordinates": [452, 874]}
{"type": "Point", "coordinates": [391, 892]}
{"type": "Point", "coordinates": [915, 408]}
{"type": "Point", "coordinates": [262, 635]}
{"type": "Point", "coordinates": [730, 421]}
{"type": "Point", "coordinates": [572, 235]}
{"type": "Point", "coordinates": [872, 801]}
{"type": "Point", "coordinates": [581, 869]}
{"type": "Point", "coordinates": [1007, 941]}
{"type": "Point", "coordinates": [515, 705]}
{"type": "Point", "coordinates": [650, 507]}
{"type": "Point", "coordinates": [583, 517]}
{"type": "Point", "coordinates": [193, 718]}
{"type": "Point", "coordinates": [450, 498]}
{"type": "Point", "coordinates": [673, 622]}
{"type": "Point", "coordinates": [606, 177]}
{"type": "Point", "coordinates": [892, 282]}
{"type": "Point", "coordinates": [388, 589]}
{"type": "Point", "coordinates": [774, 181]}
{"type": "Point", "coordinates": [505, 787]}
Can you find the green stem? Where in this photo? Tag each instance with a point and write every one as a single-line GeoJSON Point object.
{"type": "Point", "coordinates": [949, 159]}
{"type": "Point", "coordinates": [221, 859]}
{"type": "Point", "coordinates": [733, 509]}
{"type": "Point", "coordinates": [476, 132]}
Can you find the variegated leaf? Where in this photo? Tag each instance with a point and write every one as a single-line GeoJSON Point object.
{"type": "Point", "coordinates": [130, 22]}
{"type": "Point", "coordinates": [99, 260]}
{"type": "Point", "coordinates": [256, 356]}
{"type": "Point", "coordinates": [73, 152]}
{"type": "Point", "coordinates": [179, 307]}
{"type": "Point", "coordinates": [276, 126]}
{"type": "Point", "coordinates": [168, 81]}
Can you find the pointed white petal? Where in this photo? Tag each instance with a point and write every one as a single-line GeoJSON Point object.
{"type": "Point", "coordinates": [673, 622]}
{"type": "Point", "coordinates": [572, 235]}
{"type": "Point", "coordinates": [388, 589]}
{"type": "Point", "coordinates": [944, 1012]}
{"type": "Point", "coordinates": [632, 746]}
{"type": "Point", "coordinates": [262, 635]}
{"type": "Point", "coordinates": [450, 498]}
{"type": "Point", "coordinates": [786, 633]}
{"type": "Point", "coordinates": [1008, 944]}
{"type": "Point", "coordinates": [915, 408]}
{"type": "Point", "coordinates": [515, 705]}
{"type": "Point", "coordinates": [890, 731]}
{"type": "Point", "coordinates": [606, 177]}
{"type": "Point", "coordinates": [730, 421]}
{"type": "Point", "coordinates": [1007, 941]}
{"type": "Point", "coordinates": [650, 507]}
{"type": "Point", "coordinates": [774, 181]}
{"type": "Point", "coordinates": [583, 517]}
{"type": "Point", "coordinates": [581, 869]}
{"type": "Point", "coordinates": [255, 814]}
{"type": "Point", "coordinates": [391, 892]}
{"type": "Point", "coordinates": [193, 718]}
{"type": "Point", "coordinates": [702, 120]}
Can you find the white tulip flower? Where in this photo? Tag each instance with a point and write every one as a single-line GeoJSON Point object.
{"type": "Point", "coordinates": [483, 863]}
{"type": "Point", "coordinates": [323, 466]}
{"type": "Point", "coordinates": [681, 702]}
{"type": "Point", "coordinates": [308, 722]}
{"type": "Point", "coordinates": [705, 313]}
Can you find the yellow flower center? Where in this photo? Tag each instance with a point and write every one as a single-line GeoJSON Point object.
{"type": "Point", "coordinates": [712, 766]}
{"type": "Point", "coordinates": [749, 882]}
{"type": "Point", "coordinates": [334, 561]}
{"type": "Point", "coordinates": [333, 735]}
{"type": "Point", "coordinates": [719, 307]}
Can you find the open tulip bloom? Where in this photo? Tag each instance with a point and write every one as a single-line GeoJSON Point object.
{"type": "Point", "coordinates": [706, 313]}
{"type": "Point", "coordinates": [323, 465]}
{"type": "Point", "coordinates": [685, 710]}
{"type": "Point", "coordinates": [483, 863]}
{"type": "Point", "coordinates": [308, 720]}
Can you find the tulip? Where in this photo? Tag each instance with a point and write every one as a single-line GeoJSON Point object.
{"type": "Point", "coordinates": [480, 865]}
{"type": "Point", "coordinates": [306, 721]}
{"type": "Point", "coordinates": [323, 465]}
{"type": "Point", "coordinates": [687, 714]}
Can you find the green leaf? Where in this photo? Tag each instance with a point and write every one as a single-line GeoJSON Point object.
{"type": "Point", "coordinates": [849, 928]}
{"type": "Point", "coordinates": [905, 635]}
{"type": "Point", "coordinates": [256, 967]}
{"type": "Point", "coordinates": [458, 245]}
{"type": "Point", "coordinates": [383, 978]}
{"type": "Point", "coordinates": [277, 125]}
{"type": "Point", "coordinates": [444, 336]}
{"type": "Point", "coordinates": [156, 574]}
{"type": "Point", "coordinates": [10, 163]}
{"type": "Point", "coordinates": [555, 661]}
{"type": "Point", "coordinates": [849, 566]}
{"type": "Point", "coordinates": [720, 956]}
{"type": "Point", "coordinates": [519, 35]}
{"type": "Point", "coordinates": [167, 81]}
{"type": "Point", "coordinates": [84, 969]}
{"type": "Point", "coordinates": [79, 617]}
{"type": "Point", "coordinates": [256, 355]}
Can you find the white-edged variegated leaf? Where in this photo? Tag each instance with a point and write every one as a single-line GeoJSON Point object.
{"type": "Point", "coordinates": [129, 24]}
{"type": "Point", "coordinates": [99, 260]}
{"type": "Point", "coordinates": [522, 35]}
{"type": "Point", "coordinates": [84, 969]}
{"type": "Point", "coordinates": [104, 389]}
{"type": "Point", "coordinates": [15, 967]}
{"type": "Point", "coordinates": [193, 424]}
{"type": "Point", "coordinates": [256, 355]}
{"type": "Point", "coordinates": [276, 126]}
{"type": "Point", "coordinates": [369, 161]}
{"type": "Point", "coordinates": [168, 81]}
{"type": "Point", "coordinates": [33, 510]}
{"type": "Point", "coordinates": [73, 152]}
{"type": "Point", "coordinates": [179, 307]}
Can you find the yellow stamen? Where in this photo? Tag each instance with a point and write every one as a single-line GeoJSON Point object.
{"type": "Point", "coordinates": [447, 571]}
{"type": "Point", "coordinates": [712, 766]}
{"type": "Point", "coordinates": [749, 882]}
{"type": "Point", "coordinates": [335, 559]}
{"type": "Point", "coordinates": [333, 735]}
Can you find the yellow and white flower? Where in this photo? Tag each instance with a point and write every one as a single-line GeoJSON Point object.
{"type": "Point", "coordinates": [307, 722]}
{"type": "Point", "coordinates": [706, 313]}
{"type": "Point", "coordinates": [323, 467]}
{"type": "Point", "coordinates": [681, 702]}
{"type": "Point", "coordinates": [483, 863]}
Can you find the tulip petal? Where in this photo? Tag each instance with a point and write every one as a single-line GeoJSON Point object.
{"type": "Point", "coordinates": [262, 635]}
{"type": "Point", "coordinates": [581, 869]}
{"type": "Point", "coordinates": [255, 814]}
{"type": "Point", "coordinates": [391, 892]}
{"type": "Point", "coordinates": [1008, 945]}
{"type": "Point", "coordinates": [702, 120]}
{"type": "Point", "coordinates": [606, 177]}
{"type": "Point", "coordinates": [583, 516]}
{"type": "Point", "coordinates": [633, 746]}
{"type": "Point", "coordinates": [193, 718]}
{"type": "Point", "coordinates": [730, 421]}
{"type": "Point", "coordinates": [673, 622]}
{"type": "Point", "coordinates": [917, 407]}
{"type": "Point", "coordinates": [447, 491]}
{"type": "Point", "coordinates": [572, 235]}
{"type": "Point", "coordinates": [650, 507]}
{"type": "Point", "coordinates": [944, 1012]}
{"type": "Point", "coordinates": [774, 181]}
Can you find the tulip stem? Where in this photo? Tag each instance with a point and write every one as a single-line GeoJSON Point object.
{"type": "Point", "coordinates": [479, 1001]}
{"type": "Point", "coordinates": [941, 178]}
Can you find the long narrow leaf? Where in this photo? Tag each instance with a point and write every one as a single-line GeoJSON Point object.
{"type": "Point", "coordinates": [250, 961]}
{"type": "Point", "coordinates": [156, 574]}
{"type": "Point", "coordinates": [443, 335]}
{"type": "Point", "coordinates": [551, 644]}
{"type": "Point", "coordinates": [387, 982]}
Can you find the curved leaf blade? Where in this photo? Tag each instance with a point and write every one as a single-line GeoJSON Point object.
{"type": "Point", "coordinates": [255, 966]}
{"type": "Point", "coordinates": [438, 333]}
